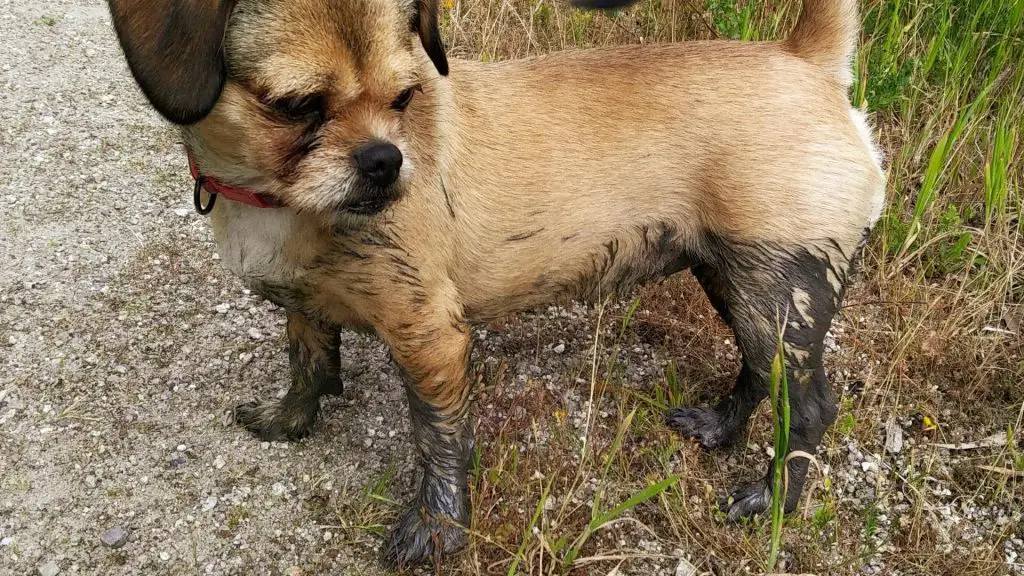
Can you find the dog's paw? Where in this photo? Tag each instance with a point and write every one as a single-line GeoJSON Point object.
{"type": "Point", "coordinates": [748, 500]}
{"type": "Point", "coordinates": [422, 536]}
{"type": "Point", "coordinates": [272, 420]}
{"type": "Point", "coordinates": [706, 425]}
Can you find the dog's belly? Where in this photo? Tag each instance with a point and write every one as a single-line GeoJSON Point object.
{"type": "Point", "coordinates": [577, 266]}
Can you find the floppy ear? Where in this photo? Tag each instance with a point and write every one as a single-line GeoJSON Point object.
{"type": "Point", "coordinates": [602, 4]}
{"type": "Point", "coordinates": [425, 23]}
{"type": "Point", "coordinates": [174, 51]}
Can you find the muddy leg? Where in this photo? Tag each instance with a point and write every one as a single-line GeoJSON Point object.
{"type": "Point", "coordinates": [315, 365]}
{"type": "Point", "coordinates": [435, 365]}
{"type": "Point", "coordinates": [723, 424]}
{"type": "Point", "coordinates": [755, 287]}
{"type": "Point", "coordinates": [813, 410]}
{"type": "Point", "coordinates": [804, 290]}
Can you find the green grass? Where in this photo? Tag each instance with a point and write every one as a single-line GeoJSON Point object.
{"type": "Point", "coordinates": [779, 398]}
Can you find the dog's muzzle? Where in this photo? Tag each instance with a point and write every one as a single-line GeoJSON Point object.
{"type": "Point", "coordinates": [378, 164]}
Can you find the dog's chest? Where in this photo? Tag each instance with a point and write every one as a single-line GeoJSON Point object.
{"type": "Point", "coordinates": [252, 243]}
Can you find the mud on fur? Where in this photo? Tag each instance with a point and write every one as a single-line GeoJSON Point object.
{"type": "Point", "coordinates": [424, 196]}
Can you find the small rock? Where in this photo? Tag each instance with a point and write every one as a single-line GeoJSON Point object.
{"type": "Point", "coordinates": [5, 542]}
{"type": "Point", "coordinates": [222, 308]}
{"type": "Point", "coordinates": [893, 437]}
{"type": "Point", "coordinates": [867, 465]}
{"type": "Point", "coordinates": [218, 462]}
{"type": "Point", "coordinates": [559, 348]}
{"type": "Point", "coordinates": [49, 569]}
{"type": "Point", "coordinates": [255, 334]}
{"type": "Point", "coordinates": [90, 481]}
{"type": "Point", "coordinates": [181, 447]}
{"type": "Point", "coordinates": [293, 571]}
{"type": "Point", "coordinates": [181, 212]}
{"type": "Point", "coordinates": [209, 504]}
{"type": "Point", "coordinates": [685, 568]}
{"type": "Point", "coordinates": [115, 538]}
{"type": "Point", "coordinates": [165, 556]}
{"type": "Point", "coordinates": [178, 460]}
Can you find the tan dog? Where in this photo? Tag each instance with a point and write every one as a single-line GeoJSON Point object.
{"type": "Point", "coordinates": [417, 202]}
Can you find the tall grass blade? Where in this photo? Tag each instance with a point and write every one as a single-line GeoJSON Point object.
{"type": "Point", "coordinates": [780, 418]}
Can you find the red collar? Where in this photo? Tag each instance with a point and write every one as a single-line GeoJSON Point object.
{"type": "Point", "coordinates": [217, 188]}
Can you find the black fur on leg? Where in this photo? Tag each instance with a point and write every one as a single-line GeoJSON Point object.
{"type": "Point", "coordinates": [315, 365]}
{"type": "Point", "coordinates": [602, 4]}
{"type": "Point", "coordinates": [754, 286]}
{"type": "Point", "coordinates": [435, 524]}
{"type": "Point", "coordinates": [722, 425]}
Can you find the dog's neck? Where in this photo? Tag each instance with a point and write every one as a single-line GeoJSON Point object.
{"type": "Point", "coordinates": [215, 188]}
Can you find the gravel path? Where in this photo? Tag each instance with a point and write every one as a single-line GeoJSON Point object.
{"type": "Point", "coordinates": [122, 341]}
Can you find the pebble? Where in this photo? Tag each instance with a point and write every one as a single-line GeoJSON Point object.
{"type": "Point", "coordinates": [255, 334]}
{"type": "Point", "coordinates": [685, 568]}
{"type": "Point", "coordinates": [893, 437]}
{"type": "Point", "coordinates": [223, 308]}
{"type": "Point", "coordinates": [218, 462]}
{"type": "Point", "coordinates": [115, 538]}
{"type": "Point", "coordinates": [49, 569]}
{"type": "Point", "coordinates": [165, 556]}
{"type": "Point", "coordinates": [293, 571]}
{"type": "Point", "coordinates": [5, 542]}
{"type": "Point", "coordinates": [559, 348]}
{"type": "Point", "coordinates": [209, 504]}
{"type": "Point", "coordinates": [90, 481]}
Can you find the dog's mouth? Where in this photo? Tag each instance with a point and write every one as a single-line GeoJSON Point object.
{"type": "Point", "coordinates": [368, 201]}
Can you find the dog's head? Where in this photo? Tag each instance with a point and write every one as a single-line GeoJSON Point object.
{"type": "Point", "coordinates": [302, 99]}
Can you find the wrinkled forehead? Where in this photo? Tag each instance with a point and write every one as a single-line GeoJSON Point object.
{"type": "Point", "coordinates": [299, 46]}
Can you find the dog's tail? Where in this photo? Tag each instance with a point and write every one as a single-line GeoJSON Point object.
{"type": "Point", "coordinates": [826, 35]}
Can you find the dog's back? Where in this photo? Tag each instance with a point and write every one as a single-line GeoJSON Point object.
{"type": "Point", "coordinates": [752, 141]}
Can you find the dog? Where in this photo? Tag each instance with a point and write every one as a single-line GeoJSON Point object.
{"type": "Point", "coordinates": [370, 183]}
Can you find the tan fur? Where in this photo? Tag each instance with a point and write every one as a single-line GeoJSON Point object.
{"type": "Point", "coordinates": [573, 175]}
{"type": "Point", "coordinates": [826, 35]}
{"type": "Point", "coordinates": [752, 141]}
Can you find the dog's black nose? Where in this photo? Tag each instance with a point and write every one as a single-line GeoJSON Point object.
{"type": "Point", "coordinates": [379, 162]}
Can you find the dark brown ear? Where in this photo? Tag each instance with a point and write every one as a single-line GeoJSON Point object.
{"type": "Point", "coordinates": [425, 23]}
{"type": "Point", "coordinates": [174, 51]}
{"type": "Point", "coordinates": [602, 4]}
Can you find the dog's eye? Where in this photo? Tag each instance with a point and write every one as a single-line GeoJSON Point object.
{"type": "Point", "coordinates": [299, 107]}
{"type": "Point", "coordinates": [404, 97]}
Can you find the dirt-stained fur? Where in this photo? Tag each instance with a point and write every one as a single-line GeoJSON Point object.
{"type": "Point", "coordinates": [423, 197]}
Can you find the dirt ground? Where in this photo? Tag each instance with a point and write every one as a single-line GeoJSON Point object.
{"type": "Point", "coordinates": [123, 341]}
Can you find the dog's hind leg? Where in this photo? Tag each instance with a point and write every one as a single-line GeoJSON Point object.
{"type": "Point", "coordinates": [761, 286]}
{"type": "Point", "coordinates": [723, 424]}
{"type": "Point", "coordinates": [315, 365]}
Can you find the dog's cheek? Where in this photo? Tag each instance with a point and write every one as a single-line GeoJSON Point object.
{"type": "Point", "coordinates": [234, 136]}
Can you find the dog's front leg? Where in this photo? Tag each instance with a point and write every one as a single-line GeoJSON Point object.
{"type": "Point", "coordinates": [435, 363]}
{"type": "Point", "coordinates": [315, 365]}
